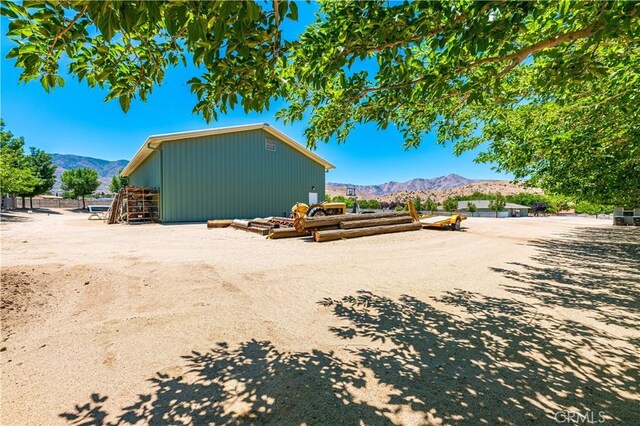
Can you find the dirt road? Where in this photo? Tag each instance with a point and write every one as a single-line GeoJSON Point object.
{"type": "Point", "coordinates": [510, 322]}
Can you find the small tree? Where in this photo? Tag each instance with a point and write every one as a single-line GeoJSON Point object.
{"type": "Point", "coordinates": [539, 208]}
{"type": "Point", "coordinates": [417, 203]}
{"type": "Point", "coordinates": [16, 177]}
{"type": "Point", "coordinates": [375, 204]}
{"type": "Point", "coordinates": [430, 205]}
{"type": "Point", "coordinates": [497, 203]}
{"type": "Point", "coordinates": [80, 182]}
{"type": "Point", "coordinates": [327, 197]}
{"type": "Point", "coordinates": [586, 207]}
{"type": "Point", "coordinates": [472, 208]}
{"type": "Point", "coordinates": [43, 169]}
{"type": "Point", "coordinates": [118, 182]}
{"type": "Point", "coordinates": [450, 205]}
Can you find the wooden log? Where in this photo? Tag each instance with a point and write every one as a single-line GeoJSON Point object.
{"type": "Point", "coordinates": [309, 223]}
{"type": "Point", "coordinates": [218, 223]}
{"type": "Point", "coordinates": [375, 222]}
{"type": "Point", "coordinates": [322, 236]}
{"type": "Point", "coordinates": [265, 225]}
{"type": "Point", "coordinates": [241, 222]}
{"type": "Point", "coordinates": [249, 229]}
{"type": "Point", "coordinates": [286, 233]}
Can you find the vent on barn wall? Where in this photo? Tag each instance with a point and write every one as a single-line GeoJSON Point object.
{"type": "Point", "coordinates": [270, 144]}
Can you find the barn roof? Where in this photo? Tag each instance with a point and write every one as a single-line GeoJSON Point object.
{"type": "Point", "coordinates": [155, 141]}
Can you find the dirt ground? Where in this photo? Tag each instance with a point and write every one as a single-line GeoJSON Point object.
{"type": "Point", "coordinates": [512, 321]}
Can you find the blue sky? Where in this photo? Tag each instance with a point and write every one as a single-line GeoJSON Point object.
{"type": "Point", "coordinates": [76, 120]}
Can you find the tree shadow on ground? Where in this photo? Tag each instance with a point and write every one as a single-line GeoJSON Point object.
{"type": "Point", "coordinates": [253, 383]}
{"type": "Point", "coordinates": [592, 269]}
{"type": "Point", "coordinates": [498, 361]}
{"type": "Point", "coordinates": [13, 217]}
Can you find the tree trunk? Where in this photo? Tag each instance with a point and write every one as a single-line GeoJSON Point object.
{"type": "Point", "coordinates": [23, 206]}
{"type": "Point", "coordinates": [83, 206]}
{"type": "Point", "coordinates": [31, 203]}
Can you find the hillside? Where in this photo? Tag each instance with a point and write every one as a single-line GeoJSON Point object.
{"type": "Point", "coordinates": [439, 189]}
{"type": "Point", "coordinates": [106, 169]}
{"type": "Point", "coordinates": [503, 186]}
{"type": "Point", "coordinates": [413, 185]}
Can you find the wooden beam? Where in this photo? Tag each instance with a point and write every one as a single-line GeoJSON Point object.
{"type": "Point", "coordinates": [286, 233]}
{"type": "Point", "coordinates": [219, 223]}
{"type": "Point", "coordinates": [309, 223]}
{"type": "Point", "coordinates": [242, 227]}
{"type": "Point", "coordinates": [331, 235]}
{"type": "Point", "coordinates": [375, 222]}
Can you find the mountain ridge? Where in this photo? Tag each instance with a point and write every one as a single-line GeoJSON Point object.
{"type": "Point", "coordinates": [106, 169]}
{"type": "Point", "coordinates": [439, 187]}
{"type": "Point", "coordinates": [449, 181]}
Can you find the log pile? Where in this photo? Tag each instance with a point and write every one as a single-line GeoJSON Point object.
{"type": "Point", "coordinates": [331, 228]}
{"type": "Point", "coordinates": [326, 228]}
{"type": "Point", "coordinates": [317, 222]}
{"type": "Point", "coordinates": [268, 226]}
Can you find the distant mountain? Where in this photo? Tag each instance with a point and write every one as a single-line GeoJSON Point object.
{"type": "Point", "coordinates": [106, 169]}
{"type": "Point", "coordinates": [486, 187]}
{"type": "Point", "coordinates": [373, 191]}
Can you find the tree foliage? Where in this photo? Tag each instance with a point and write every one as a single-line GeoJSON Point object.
{"type": "Point", "coordinates": [551, 88]}
{"type": "Point", "coordinates": [450, 204]}
{"type": "Point", "coordinates": [497, 203]}
{"type": "Point", "coordinates": [430, 205]}
{"type": "Point", "coordinates": [118, 182]}
{"type": "Point", "coordinates": [472, 208]}
{"type": "Point", "coordinates": [80, 182]}
{"type": "Point", "coordinates": [538, 208]}
{"type": "Point", "coordinates": [16, 175]}
{"type": "Point", "coordinates": [43, 169]}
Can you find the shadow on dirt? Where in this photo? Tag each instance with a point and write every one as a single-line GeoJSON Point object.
{"type": "Point", "coordinates": [591, 269]}
{"type": "Point", "coordinates": [23, 215]}
{"type": "Point", "coordinates": [498, 361]}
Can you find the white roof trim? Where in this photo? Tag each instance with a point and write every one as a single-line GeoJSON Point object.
{"type": "Point", "coordinates": [155, 141]}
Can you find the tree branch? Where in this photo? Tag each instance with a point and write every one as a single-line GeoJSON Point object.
{"type": "Point", "coordinates": [520, 56]}
{"type": "Point", "coordinates": [63, 32]}
{"type": "Point", "coordinates": [413, 39]}
{"type": "Point", "coordinates": [606, 100]}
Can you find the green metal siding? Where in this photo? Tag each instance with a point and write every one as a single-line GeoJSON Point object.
{"type": "Point", "coordinates": [148, 173]}
{"type": "Point", "coordinates": [234, 176]}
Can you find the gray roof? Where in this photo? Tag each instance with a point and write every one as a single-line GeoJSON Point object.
{"type": "Point", "coordinates": [484, 204]}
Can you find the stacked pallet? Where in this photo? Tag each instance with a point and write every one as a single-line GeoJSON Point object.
{"type": "Point", "coordinates": [134, 204]}
{"type": "Point", "coordinates": [330, 228]}
{"type": "Point", "coordinates": [114, 209]}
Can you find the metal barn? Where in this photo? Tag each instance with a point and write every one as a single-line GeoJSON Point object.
{"type": "Point", "coordinates": [228, 172]}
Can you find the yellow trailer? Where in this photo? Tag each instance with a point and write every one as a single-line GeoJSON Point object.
{"type": "Point", "coordinates": [434, 221]}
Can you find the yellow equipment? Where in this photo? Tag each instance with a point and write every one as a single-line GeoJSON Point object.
{"type": "Point", "coordinates": [319, 209]}
{"type": "Point", "coordinates": [434, 221]}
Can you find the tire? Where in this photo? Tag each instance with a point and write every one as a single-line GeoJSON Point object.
{"type": "Point", "coordinates": [316, 211]}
